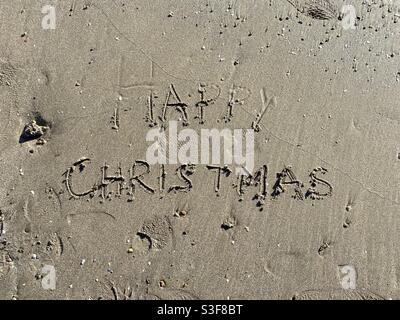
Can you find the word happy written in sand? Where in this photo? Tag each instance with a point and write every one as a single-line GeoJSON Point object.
{"type": "Point", "coordinates": [139, 177]}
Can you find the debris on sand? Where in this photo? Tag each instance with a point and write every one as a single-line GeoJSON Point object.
{"type": "Point", "coordinates": [228, 224]}
{"type": "Point", "coordinates": [33, 131]}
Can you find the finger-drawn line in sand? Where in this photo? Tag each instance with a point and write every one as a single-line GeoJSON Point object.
{"type": "Point", "coordinates": [235, 100]}
{"type": "Point", "coordinates": [1, 223]}
{"type": "Point", "coordinates": [138, 178]}
{"type": "Point", "coordinates": [258, 179]}
{"type": "Point", "coordinates": [68, 179]}
{"type": "Point", "coordinates": [148, 85]}
{"type": "Point", "coordinates": [161, 178]}
{"type": "Point", "coordinates": [108, 179]}
{"type": "Point", "coordinates": [115, 119]}
{"type": "Point", "coordinates": [266, 103]}
{"type": "Point", "coordinates": [150, 112]}
{"type": "Point", "coordinates": [316, 9]}
{"type": "Point", "coordinates": [203, 103]}
{"type": "Point", "coordinates": [314, 181]}
{"type": "Point", "coordinates": [281, 182]}
{"type": "Point", "coordinates": [225, 171]}
{"type": "Point", "coordinates": [184, 171]}
{"type": "Point", "coordinates": [178, 104]}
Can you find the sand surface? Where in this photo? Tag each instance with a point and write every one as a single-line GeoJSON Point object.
{"type": "Point", "coordinates": [74, 100]}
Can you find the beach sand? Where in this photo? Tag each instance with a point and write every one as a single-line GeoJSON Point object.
{"type": "Point", "coordinates": [74, 109]}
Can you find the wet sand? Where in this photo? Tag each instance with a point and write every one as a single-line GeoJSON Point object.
{"type": "Point", "coordinates": [75, 111]}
